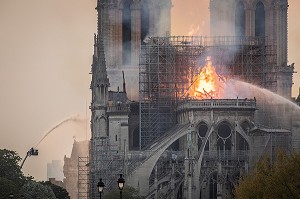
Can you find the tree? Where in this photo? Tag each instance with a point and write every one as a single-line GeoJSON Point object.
{"type": "Point", "coordinates": [9, 166]}
{"type": "Point", "coordinates": [11, 176]}
{"type": "Point", "coordinates": [58, 191]}
{"type": "Point", "coordinates": [6, 187]}
{"type": "Point", "coordinates": [36, 190]}
{"type": "Point", "coordinates": [272, 180]}
{"type": "Point", "coordinates": [127, 193]}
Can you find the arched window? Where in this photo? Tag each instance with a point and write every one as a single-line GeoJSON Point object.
{"type": "Point", "coordinates": [144, 20]}
{"type": "Point", "coordinates": [202, 130]}
{"type": "Point", "coordinates": [240, 19]}
{"type": "Point", "coordinates": [224, 130]}
{"type": "Point", "coordinates": [224, 136]}
{"type": "Point", "coordinates": [260, 19]}
{"type": "Point", "coordinates": [126, 32]}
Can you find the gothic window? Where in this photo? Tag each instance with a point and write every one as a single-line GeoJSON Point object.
{"type": "Point", "coordinates": [144, 20]}
{"type": "Point", "coordinates": [126, 33]}
{"type": "Point", "coordinates": [224, 136]}
{"type": "Point", "coordinates": [260, 19]}
{"type": "Point", "coordinates": [202, 130]}
{"type": "Point", "coordinates": [240, 19]}
{"type": "Point", "coordinates": [224, 130]}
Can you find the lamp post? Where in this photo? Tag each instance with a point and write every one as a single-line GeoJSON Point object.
{"type": "Point", "coordinates": [100, 186]}
{"type": "Point", "coordinates": [121, 183]}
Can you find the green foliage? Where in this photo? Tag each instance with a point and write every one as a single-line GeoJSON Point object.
{"type": "Point", "coordinates": [9, 166]}
{"type": "Point", "coordinates": [280, 179]}
{"type": "Point", "coordinates": [36, 190]}
{"type": "Point", "coordinates": [58, 191]}
{"type": "Point", "coordinates": [6, 187]}
{"type": "Point", "coordinates": [127, 193]}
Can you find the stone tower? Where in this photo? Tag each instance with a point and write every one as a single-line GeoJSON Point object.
{"type": "Point", "coordinates": [258, 18]}
{"type": "Point", "coordinates": [123, 26]}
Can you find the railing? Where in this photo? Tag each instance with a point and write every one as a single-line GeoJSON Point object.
{"type": "Point", "coordinates": [208, 41]}
{"type": "Point", "coordinates": [218, 103]}
{"type": "Point", "coordinates": [117, 109]}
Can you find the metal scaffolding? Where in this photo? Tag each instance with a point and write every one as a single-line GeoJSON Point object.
{"type": "Point", "coordinates": [83, 177]}
{"type": "Point", "coordinates": [168, 66]}
{"type": "Point", "coordinates": [106, 162]}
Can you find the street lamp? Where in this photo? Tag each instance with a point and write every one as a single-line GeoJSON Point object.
{"type": "Point", "coordinates": [11, 195]}
{"type": "Point", "coordinates": [100, 186]}
{"type": "Point", "coordinates": [121, 183]}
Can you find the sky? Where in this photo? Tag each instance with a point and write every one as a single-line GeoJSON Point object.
{"type": "Point", "coordinates": [46, 51]}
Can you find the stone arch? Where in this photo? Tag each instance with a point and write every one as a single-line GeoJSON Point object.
{"type": "Point", "coordinates": [146, 167]}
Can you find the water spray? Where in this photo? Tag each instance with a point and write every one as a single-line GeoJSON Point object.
{"type": "Point", "coordinates": [73, 118]}
{"type": "Point", "coordinates": [34, 151]}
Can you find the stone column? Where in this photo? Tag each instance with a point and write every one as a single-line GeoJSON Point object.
{"type": "Point", "coordinates": [151, 7]}
{"type": "Point", "coordinates": [119, 38]}
{"type": "Point", "coordinates": [165, 17]}
{"type": "Point", "coordinates": [112, 34]}
{"type": "Point", "coordinates": [248, 22]}
{"type": "Point", "coordinates": [135, 31]}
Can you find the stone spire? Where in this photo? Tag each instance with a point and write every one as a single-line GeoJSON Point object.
{"type": "Point", "coordinates": [99, 65]}
{"type": "Point", "coordinates": [100, 81]}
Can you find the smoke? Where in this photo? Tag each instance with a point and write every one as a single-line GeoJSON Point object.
{"type": "Point", "coordinates": [237, 88]}
{"type": "Point", "coordinates": [273, 111]}
{"type": "Point", "coordinates": [70, 119]}
{"type": "Point", "coordinates": [155, 21]}
{"type": "Point", "coordinates": [194, 30]}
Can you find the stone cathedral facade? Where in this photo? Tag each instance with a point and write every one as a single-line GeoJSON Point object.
{"type": "Point", "coordinates": [258, 18]}
{"type": "Point", "coordinates": [212, 142]}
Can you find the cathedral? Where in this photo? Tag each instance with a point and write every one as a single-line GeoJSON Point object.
{"type": "Point", "coordinates": [168, 133]}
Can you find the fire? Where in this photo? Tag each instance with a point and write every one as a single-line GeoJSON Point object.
{"type": "Point", "coordinates": [207, 84]}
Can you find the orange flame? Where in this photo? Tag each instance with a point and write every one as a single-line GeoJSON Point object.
{"type": "Point", "coordinates": [207, 84]}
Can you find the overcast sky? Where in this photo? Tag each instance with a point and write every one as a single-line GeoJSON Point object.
{"type": "Point", "coordinates": [46, 51]}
